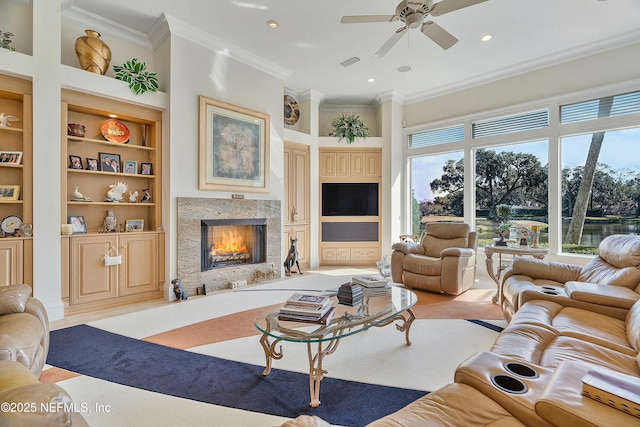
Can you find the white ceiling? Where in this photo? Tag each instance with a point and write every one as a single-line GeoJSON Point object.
{"type": "Point", "coordinates": [311, 42]}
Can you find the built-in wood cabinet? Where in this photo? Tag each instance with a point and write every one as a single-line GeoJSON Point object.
{"type": "Point", "coordinates": [344, 166]}
{"type": "Point", "coordinates": [16, 177]}
{"type": "Point", "coordinates": [354, 163]}
{"type": "Point", "coordinates": [295, 204]}
{"type": "Point", "coordinates": [86, 280]}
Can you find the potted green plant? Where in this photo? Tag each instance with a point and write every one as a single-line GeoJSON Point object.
{"type": "Point", "coordinates": [5, 40]}
{"type": "Point", "coordinates": [349, 127]}
{"type": "Point", "coordinates": [134, 73]}
{"type": "Point", "coordinates": [504, 213]}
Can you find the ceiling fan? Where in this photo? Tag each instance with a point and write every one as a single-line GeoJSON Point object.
{"type": "Point", "coordinates": [413, 14]}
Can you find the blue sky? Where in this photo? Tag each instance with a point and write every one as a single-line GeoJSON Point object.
{"type": "Point", "coordinates": [620, 150]}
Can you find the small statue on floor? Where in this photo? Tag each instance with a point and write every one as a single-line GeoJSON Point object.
{"type": "Point", "coordinates": [178, 290]}
{"type": "Point", "coordinates": [292, 257]}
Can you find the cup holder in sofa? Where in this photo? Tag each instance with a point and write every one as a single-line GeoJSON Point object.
{"type": "Point", "coordinates": [509, 384]}
{"type": "Point", "coordinates": [549, 290]}
{"type": "Point", "coordinates": [521, 370]}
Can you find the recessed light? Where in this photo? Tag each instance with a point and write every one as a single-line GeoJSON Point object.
{"type": "Point", "coordinates": [272, 24]}
{"type": "Point", "coordinates": [487, 37]}
{"type": "Point", "coordinates": [404, 68]}
{"type": "Point", "coordinates": [113, 116]}
{"type": "Point", "coordinates": [371, 80]}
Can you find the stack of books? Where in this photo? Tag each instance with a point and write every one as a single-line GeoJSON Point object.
{"type": "Point", "coordinates": [307, 308]}
{"type": "Point", "coordinates": [350, 294]}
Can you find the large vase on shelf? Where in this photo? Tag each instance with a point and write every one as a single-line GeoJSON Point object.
{"type": "Point", "coordinates": [94, 54]}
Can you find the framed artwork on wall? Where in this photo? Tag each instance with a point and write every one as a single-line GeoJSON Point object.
{"type": "Point", "coordinates": [234, 147]}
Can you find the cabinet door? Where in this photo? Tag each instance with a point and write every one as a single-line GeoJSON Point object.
{"type": "Point", "coordinates": [372, 165]}
{"type": "Point", "coordinates": [343, 164]}
{"type": "Point", "coordinates": [328, 164]}
{"type": "Point", "coordinates": [90, 279]}
{"type": "Point", "coordinates": [139, 269]}
{"type": "Point", "coordinates": [299, 186]}
{"type": "Point", "coordinates": [11, 262]}
{"type": "Point", "coordinates": [357, 164]}
{"type": "Point", "coordinates": [286, 200]}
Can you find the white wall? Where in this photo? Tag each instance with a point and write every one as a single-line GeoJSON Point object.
{"type": "Point", "coordinates": [195, 71]}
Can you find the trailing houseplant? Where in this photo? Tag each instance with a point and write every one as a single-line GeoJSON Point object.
{"type": "Point", "coordinates": [134, 73]}
{"type": "Point", "coordinates": [5, 40]}
{"type": "Point", "coordinates": [349, 127]}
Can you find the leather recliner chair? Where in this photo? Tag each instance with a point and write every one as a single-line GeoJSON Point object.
{"type": "Point", "coordinates": [444, 261]}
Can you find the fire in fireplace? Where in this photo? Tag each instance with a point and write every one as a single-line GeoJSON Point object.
{"type": "Point", "coordinates": [229, 242]}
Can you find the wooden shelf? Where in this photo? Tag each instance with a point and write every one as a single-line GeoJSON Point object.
{"type": "Point", "coordinates": [114, 174]}
{"type": "Point", "coordinates": [10, 129]}
{"type": "Point", "coordinates": [109, 143]}
{"type": "Point", "coordinates": [11, 165]}
{"type": "Point", "coordinates": [116, 204]}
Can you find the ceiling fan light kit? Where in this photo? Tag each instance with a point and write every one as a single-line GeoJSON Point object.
{"type": "Point", "coordinates": [413, 14]}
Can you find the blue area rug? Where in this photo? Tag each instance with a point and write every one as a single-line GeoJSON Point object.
{"type": "Point", "coordinates": [119, 359]}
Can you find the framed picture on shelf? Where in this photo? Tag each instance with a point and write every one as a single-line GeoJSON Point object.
{"type": "Point", "coordinates": [92, 164]}
{"type": "Point", "coordinates": [78, 224]}
{"type": "Point", "coordinates": [14, 157]}
{"type": "Point", "coordinates": [130, 166]}
{"type": "Point", "coordinates": [9, 192]}
{"type": "Point", "coordinates": [234, 147]}
{"type": "Point", "coordinates": [109, 162]}
{"type": "Point", "coordinates": [134, 225]}
{"type": "Point", "coordinates": [146, 169]}
{"type": "Point", "coordinates": [75, 162]}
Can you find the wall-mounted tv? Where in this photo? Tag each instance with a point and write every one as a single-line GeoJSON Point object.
{"type": "Point", "coordinates": [350, 199]}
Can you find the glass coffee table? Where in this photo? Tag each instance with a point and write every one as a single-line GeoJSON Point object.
{"type": "Point", "coordinates": [322, 340]}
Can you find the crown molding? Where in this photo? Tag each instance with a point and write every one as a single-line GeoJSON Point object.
{"type": "Point", "coordinates": [104, 26]}
{"type": "Point", "coordinates": [529, 66]}
{"type": "Point", "coordinates": [28, 3]}
{"type": "Point", "coordinates": [312, 95]}
{"type": "Point", "coordinates": [186, 31]}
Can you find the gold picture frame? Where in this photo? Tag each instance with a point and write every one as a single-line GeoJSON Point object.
{"type": "Point", "coordinates": [134, 225]}
{"type": "Point", "coordinates": [234, 147]}
{"type": "Point", "coordinates": [9, 192]}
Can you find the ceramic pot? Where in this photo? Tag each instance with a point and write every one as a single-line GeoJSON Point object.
{"type": "Point", "coordinates": [94, 54]}
{"type": "Point", "coordinates": [110, 221]}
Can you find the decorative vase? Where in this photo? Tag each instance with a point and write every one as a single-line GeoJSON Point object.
{"type": "Point", "coordinates": [143, 135]}
{"type": "Point", "coordinates": [94, 54]}
{"type": "Point", "coordinates": [110, 221]}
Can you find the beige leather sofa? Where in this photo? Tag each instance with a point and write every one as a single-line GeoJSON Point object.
{"type": "Point", "coordinates": [444, 261]}
{"type": "Point", "coordinates": [24, 345]}
{"type": "Point", "coordinates": [532, 375]}
{"type": "Point", "coordinates": [609, 284]}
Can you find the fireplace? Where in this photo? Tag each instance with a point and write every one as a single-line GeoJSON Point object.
{"type": "Point", "coordinates": [232, 242]}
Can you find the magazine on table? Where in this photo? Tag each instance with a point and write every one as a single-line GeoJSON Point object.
{"type": "Point", "coordinates": [306, 300]}
{"type": "Point", "coordinates": [370, 280]}
{"type": "Point", "coordinates": [307, 310]}
{"type": "Point", "coordinates": [323, 320]}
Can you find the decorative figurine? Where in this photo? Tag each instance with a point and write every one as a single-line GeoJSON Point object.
{"type": "Point", "coordinates": [178, 290]}
{"type": "Point", "coordinates": [146, 197]}
{"type": "Point", "coordinates": [292, 257]}
{"type": "Point", "coordinates": [78, 196]}
{"type": "Point", "coordinates": [5, 119]}
{"type": "Point", "coordinates": [133, 196]}
{"type": "Point", "coordinates": [110, 221]}
{"type": "Point", "coordinates": [115, 192]}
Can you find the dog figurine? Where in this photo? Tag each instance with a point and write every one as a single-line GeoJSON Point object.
{"type": "Point", "coordinates": [292, 258]}
{"type": "Point", "coordinates": [178, 290]}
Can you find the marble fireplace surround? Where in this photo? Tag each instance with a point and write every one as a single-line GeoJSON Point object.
{"type": "Point", "coordinates": [192, 210]}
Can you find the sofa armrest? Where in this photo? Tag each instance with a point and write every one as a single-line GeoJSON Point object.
{"type": "Point", "coordinates": [408, 248]}
{"type": "Point", "coordinates": [541, 269]}
{"type": "Point", "coordinates": [563, 404]}
{"type": "Point", "coordinates": [457, 252]}
{"type": "Point", "coordinates": [613, 296]}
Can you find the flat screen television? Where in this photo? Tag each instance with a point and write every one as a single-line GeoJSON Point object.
{"type": "Point", "coordinates": [350, 199]}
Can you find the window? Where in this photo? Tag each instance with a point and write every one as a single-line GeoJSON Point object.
{"type": "Point", "coordinates": [509, 124]}
{"type": "Point", "coordinates": [609, 106]}
{"type": "Point", "coordinates": [437, 188]}
{"type": "Point", "coordinates": [515, 176]}
{"type": "Point", "coordinates": [437, 136]}
{"type": "Point", "coordinates": [610, 204]}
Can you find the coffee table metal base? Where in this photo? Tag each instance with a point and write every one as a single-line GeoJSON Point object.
{"type": "Point", "coordinates": [324, 348]}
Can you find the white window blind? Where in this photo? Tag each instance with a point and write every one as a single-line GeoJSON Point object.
{"type": "Point", "coordinates": [618, 105]}
{"type": "Point", "coordinates": [437, 136]}
{"type": "Point", "coordinates": [508, 124]}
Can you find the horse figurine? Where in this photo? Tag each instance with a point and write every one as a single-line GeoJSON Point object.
{"type": "Point", "coordinates": [292, 257]}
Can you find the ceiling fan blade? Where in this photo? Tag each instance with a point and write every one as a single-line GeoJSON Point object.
{"type": "Point", "coordinates": [435, 32]}
{"type": "Point", "coordinates": [390, 43]}
{"type": "Point", "coordinates": [367, 18]}
{"type": "Point", "coordinates": [446, 6]}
